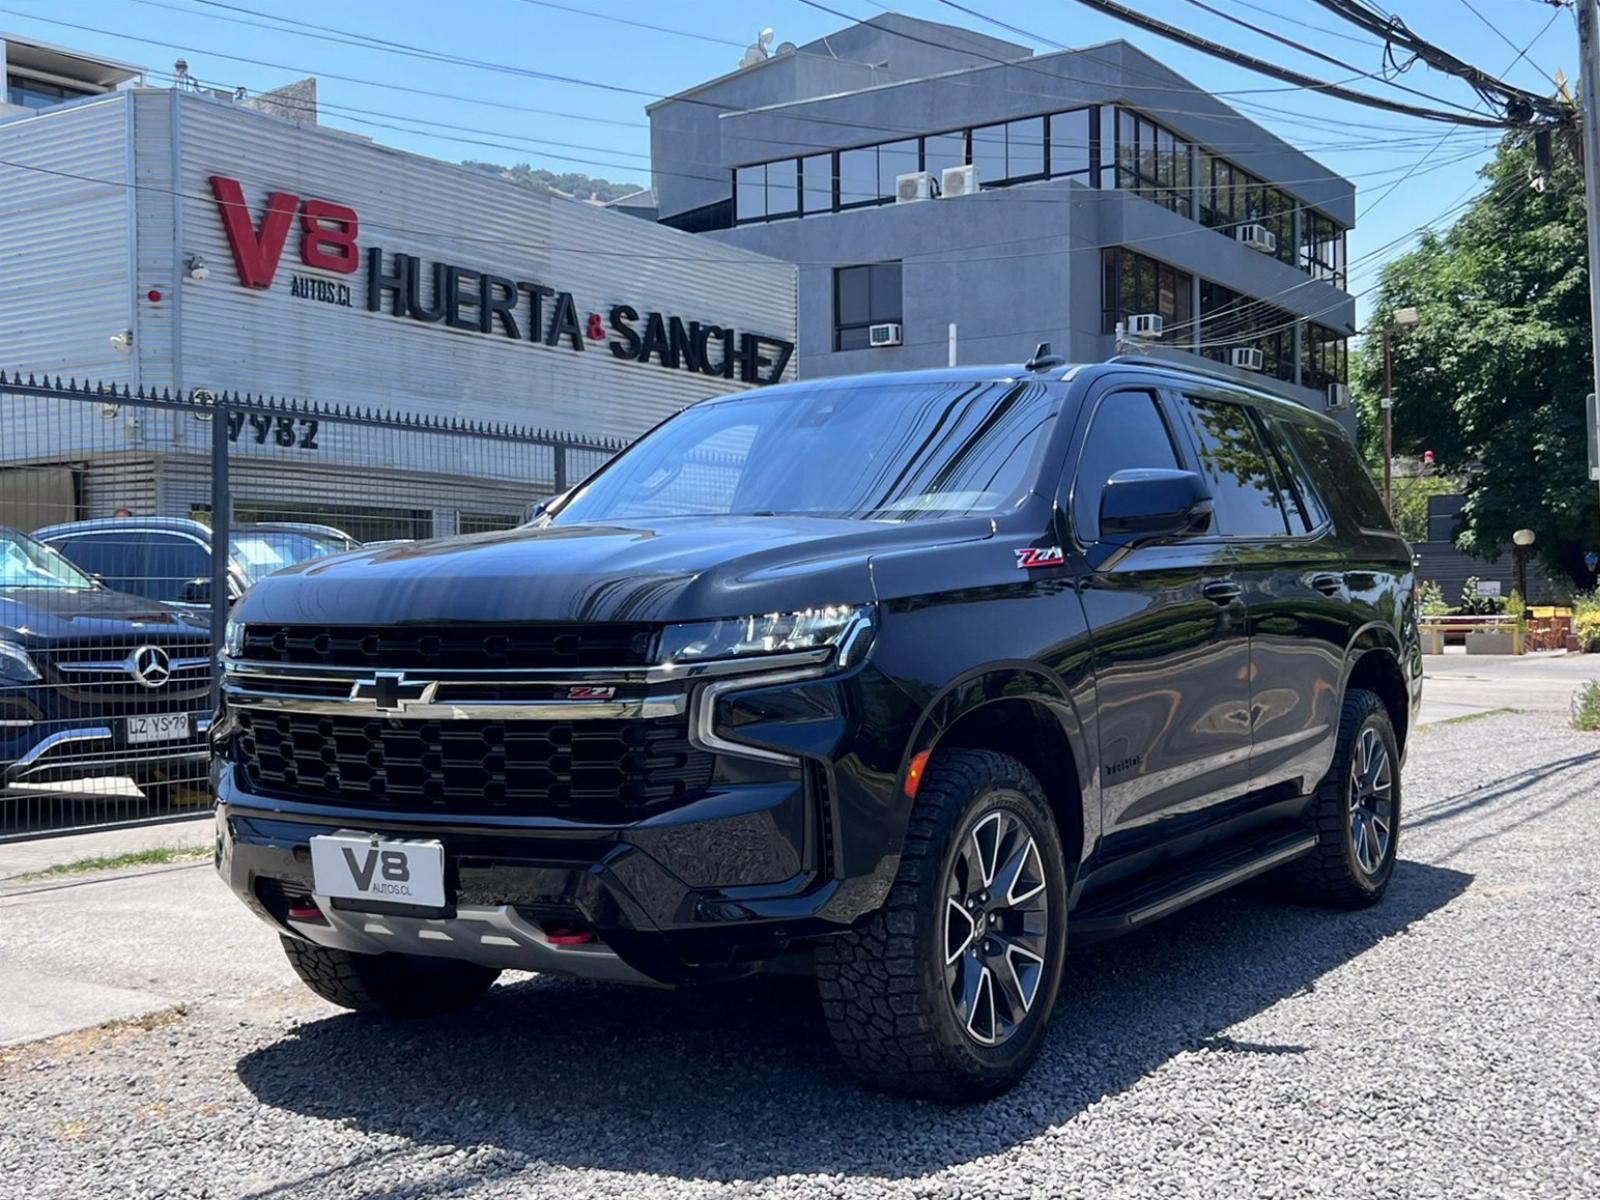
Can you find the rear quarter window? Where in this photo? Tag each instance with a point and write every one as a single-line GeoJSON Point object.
{"type": "Point", "coordinates": [1338, 474]}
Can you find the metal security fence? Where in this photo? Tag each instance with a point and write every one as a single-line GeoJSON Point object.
{"type": "Point", "coordinates": [112, 601]}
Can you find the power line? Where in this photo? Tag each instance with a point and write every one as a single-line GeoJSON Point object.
{"type": "Point", "coordinates": [1261, 66]}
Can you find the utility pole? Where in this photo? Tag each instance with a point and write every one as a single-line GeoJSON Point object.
{"type": "Point", "coordinates": [1589, 96]}
{"type": "Point", "coordinates": [1387, 404]}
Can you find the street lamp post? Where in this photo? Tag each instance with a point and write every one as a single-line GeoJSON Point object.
{"type": "Point", "coordinates": [1402, 318]}
{"type": "Point", "coordinates": [1522, 539]}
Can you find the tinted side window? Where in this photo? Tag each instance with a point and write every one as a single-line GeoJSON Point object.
{"type": "Point", "coordinates": [1128, 431]}
{"type": "Point", "coordinates": [1235, 468]}
{"type": "Point", "coordinates": [1339, 471]}
{"type": "Point", "coordinates": [173, 561]}
{"type": "Point", "coordinates": [1289, 460]}
{"type": "Point", "coordinates": [117, 557]}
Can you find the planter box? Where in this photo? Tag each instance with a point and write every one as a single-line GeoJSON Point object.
{"type": "Point", "coordinates": [1490, 643]}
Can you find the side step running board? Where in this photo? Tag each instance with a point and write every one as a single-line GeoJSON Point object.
{"type": "Point", "coordinates": [1120, 912]}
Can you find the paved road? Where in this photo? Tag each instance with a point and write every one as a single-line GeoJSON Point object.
{"type": "Point", "coordinates": [1459, 685]}
{"type": "Point", "coordinates": [1440, 1045]}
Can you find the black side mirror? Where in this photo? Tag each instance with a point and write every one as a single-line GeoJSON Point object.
{"type": "Point", "coordinates": [1148, 504]}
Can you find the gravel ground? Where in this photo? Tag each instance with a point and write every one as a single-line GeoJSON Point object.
{"type": "Point", "coordinates": [1445, 1044]}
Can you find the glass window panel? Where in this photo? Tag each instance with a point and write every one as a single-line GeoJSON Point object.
{"type": "Point", "coordinates": [884, 291]}
{"type": "Point", "coordinates": [1128, 431]}
{"type": "Point", "coordinates": [1126, 123]}
{"type": "Point", "coordinates": [989, 153]}
{"type": "Point", "coordinates": [894, 160]}
{"type": "Point", "coordinates": [853, 295]}
{"type": "Point", "coordinates": [944, 150]}
{"type": "Point", "coordinates": [1166, 156]}
{"type": "Point", "coordinates": [1108, 146]}
{"type": "Point", "coordinates": [854, 338]}
{"type": "Point", "coordinates": [818, 181]}
{"type": "Point", "coordinates": [1025, 148]}
{"type": "Point", "coordinates": [751, 186]}
{"type": "Point", "coordinates": [858, 176]}
{"type": "Point", "coordinates": [783, 188]}
{"type": "Point", "coordinates": [1233, 463]}
{"type": "Point", "coordinates": [1069, 143]}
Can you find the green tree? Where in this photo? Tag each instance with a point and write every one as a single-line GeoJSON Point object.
{"type": "Point", "coordinates": [1493, 378]}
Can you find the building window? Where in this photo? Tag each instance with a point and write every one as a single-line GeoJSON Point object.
{"type": "Point", "coordinates": [1134, 284]}
{"type": "Point", "coordinates": [944, 150]}
{"type": "Point", "coordinates": [858, 177]}
{"type": "Point", "coordinates": [1152, 162]}
{"type": "Point", "coordinates": [38, 93]}
{"type": "Point", "coordinates": [1322, 248]}
{"type": "Point", "coordinates": [894, 160]}
{"type": "Point", "coordinates": [1010, 152]}
{"type": "Point", "coordinates": [767, 191]}
{"type": "Point", "coordinates": [1324, 357]}
{"type": "Point", "coordinates": [863, 296]}
{"type": "Point", "coordinates": [1230, 197]}
{"type": "Point", "coordinates": [1231, 321]}
{"type": "Point", "coordinates": [816, 184]}
{"type": "Point", "coordinates": [1069, 144]}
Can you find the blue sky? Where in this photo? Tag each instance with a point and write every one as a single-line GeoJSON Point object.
{"type": "Point", "coordinates": [602, 130]}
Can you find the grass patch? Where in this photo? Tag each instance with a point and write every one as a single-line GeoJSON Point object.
{"type": "Point", "coordinates": [154, 857]}
{"type": "Point", "coordinates": [1586, 707]}
{"type": "Point", "coordinates": [1466, 718]}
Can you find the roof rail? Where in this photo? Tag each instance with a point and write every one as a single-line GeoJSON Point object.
{"type": "Point", "coordinates": [1210, 371]}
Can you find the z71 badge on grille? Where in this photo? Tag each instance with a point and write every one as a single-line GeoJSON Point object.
{"type": "Point", "coordinates": [591, 693]}
{"type": "Point", "coordinates": [1030, 557]}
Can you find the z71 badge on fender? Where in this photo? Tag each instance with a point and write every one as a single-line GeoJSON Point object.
{"type": "Point", "coordinates": [1030, 557]}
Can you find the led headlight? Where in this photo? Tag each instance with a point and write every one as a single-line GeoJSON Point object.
{"type": "Point", "coordinates": [233, 639]}
{"type": "Point", "coordinates": [767, 633]}
{"type": "Point", "coordinates": [15, 664]}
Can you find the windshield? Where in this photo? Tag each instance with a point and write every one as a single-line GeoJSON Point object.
{"type": "Point", "coordinates": [260, 552]}
{"type": "Point", "coordinates": [27, 563]}
{"type": "Point", "coordinates": [876, 451]}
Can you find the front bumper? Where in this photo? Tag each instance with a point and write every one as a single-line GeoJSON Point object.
{"type": "Point", "coordinates": [50, 751]}
{"type": "Point", "coordinates": [707, 890]}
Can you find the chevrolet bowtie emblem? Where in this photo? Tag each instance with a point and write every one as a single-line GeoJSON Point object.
{"type": "Point", "coordinates": [391, 691]}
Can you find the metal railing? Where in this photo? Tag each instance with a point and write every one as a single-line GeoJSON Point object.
{"type": "Point", "coordinates": [109, 633]}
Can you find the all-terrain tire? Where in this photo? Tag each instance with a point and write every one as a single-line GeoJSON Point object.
{"type": "Point", "coordinates": [882, 985]}
{"type": "Point", "coordinates": [1332, 873]}
{"type": "Point", "coordinates": [395, 985]}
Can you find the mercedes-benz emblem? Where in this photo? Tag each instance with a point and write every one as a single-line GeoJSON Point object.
{"type": "Point", "coordinates": [150, 666]}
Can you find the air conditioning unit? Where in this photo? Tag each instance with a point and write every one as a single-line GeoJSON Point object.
{"type": "Point", "coordinates": [1246, 358]}
{"type": "Point", "coordinates": [1257, 237]}
{"type": "Point", "coordinates": [886, 334]}
{"type": "Point", "coordinates": [1338, 395]}
{"type": "Point", "coordinates": [959, 181]}
{"type": "Point", "coordinates": [913, 186]}
{"type": "Point", "coordinates": [1144, 325]}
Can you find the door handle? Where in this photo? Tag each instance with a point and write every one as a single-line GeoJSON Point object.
{"type": "Point", "coordinates": [1221, 591]}
{"type": "Point", "coordinates": [1330, 584]}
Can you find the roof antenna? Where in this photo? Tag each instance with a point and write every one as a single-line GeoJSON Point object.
{"type": "Point", "coordinates": [1042, 359]}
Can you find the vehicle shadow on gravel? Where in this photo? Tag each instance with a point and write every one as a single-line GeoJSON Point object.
{"type": "Point", "coordinates": [740, 1082]}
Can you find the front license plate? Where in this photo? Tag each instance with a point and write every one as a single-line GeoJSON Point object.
{"type": "Point", "coordinates": [353, 866]}
{"type": "Point", "coordinates": [158, 727]}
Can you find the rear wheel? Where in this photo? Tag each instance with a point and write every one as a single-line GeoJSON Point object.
{"type": "Point", "coordinates": [1356, 812]}
{"type": "Point", "coordinates": [946, 991]}
{"type": "Point", "coordinates": [397, 985]}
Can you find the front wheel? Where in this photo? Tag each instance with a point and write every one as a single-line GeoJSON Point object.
{"type": "Point", "coordinates": [1355, 812]}
{"type": "Point", "coordinates": [396, 985]}
{"type": "Point", "coordinates": [946, 991]}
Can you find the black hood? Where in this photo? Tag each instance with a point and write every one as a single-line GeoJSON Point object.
{"type": "Point", "coordinates": [667, 569]}
{"type": "Point", "coordinates": [39, 616]}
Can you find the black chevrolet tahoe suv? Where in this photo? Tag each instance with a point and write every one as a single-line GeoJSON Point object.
{"type": "Point", "coordinates": [902, 678]}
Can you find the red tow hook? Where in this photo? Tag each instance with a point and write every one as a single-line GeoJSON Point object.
{"type": "Point", "coordinates": [306, 912]}
{"type": "Point", "coordinates": [565, 935]}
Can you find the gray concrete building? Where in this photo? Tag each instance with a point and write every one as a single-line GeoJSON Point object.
{"type": "Point", "coordinates": [1099, 188]}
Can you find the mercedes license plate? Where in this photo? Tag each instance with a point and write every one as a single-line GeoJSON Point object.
{"type": "Point", "coordinates": [158, 727]}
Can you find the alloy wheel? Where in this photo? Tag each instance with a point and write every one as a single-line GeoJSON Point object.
{"type": "Point", "coordinates": [1371, 801]}
{"type": "Point", "coordinates": [997, 922]}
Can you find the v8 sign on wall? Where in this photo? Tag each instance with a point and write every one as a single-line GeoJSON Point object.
{"type": "Point", "coordinates": [470, 299]}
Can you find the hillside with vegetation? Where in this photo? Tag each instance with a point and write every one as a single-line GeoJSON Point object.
{"type": "Point", "coordinates": [564, 183]}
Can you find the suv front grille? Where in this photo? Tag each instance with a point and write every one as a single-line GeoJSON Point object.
{"type": "Point", "coordinates": [453, 647]}
{"type": "Point", "coordinates": [590, 770]}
